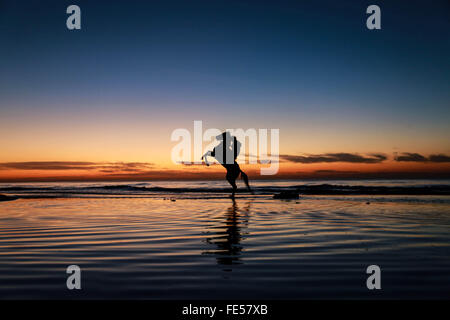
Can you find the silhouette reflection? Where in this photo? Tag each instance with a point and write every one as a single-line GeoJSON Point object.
{"type": "Point", "coordinates": [229, 235]}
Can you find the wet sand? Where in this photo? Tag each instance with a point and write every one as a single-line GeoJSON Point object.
{"type": "Point", "coordinates": [317, 247]}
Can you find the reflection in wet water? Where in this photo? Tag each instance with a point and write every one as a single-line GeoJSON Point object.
{"type": "Point", "coordinates": [229, 235]}
{"type": "Point", "coordinates": [318, 247]}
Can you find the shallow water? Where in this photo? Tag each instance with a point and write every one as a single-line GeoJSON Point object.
{"type": "Point", "coordinates": [253, 248]}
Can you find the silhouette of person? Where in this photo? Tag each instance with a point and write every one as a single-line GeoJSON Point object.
{"type": "Point", "coordinates": [226, 153]}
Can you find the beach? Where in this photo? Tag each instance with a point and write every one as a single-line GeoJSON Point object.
{"type": "Point", "coordinates": [162, 243]}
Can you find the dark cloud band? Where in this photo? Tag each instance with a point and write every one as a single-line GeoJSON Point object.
{"type": "Point", "coordinates": [77, 165]}
{"type": "Point", "coordinates": [415, 157]}
{"type": "Point", "coordinates": [335, 157]}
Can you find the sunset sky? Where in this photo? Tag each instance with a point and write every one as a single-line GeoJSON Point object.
{"type": "Point", "coordinates": [101, 103]}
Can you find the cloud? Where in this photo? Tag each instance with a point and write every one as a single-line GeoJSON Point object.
{"type": "Point", "coordinates": [265, 159]}
{"type": "Point", "coordinates": [439, 158]}
{"type": "Point", "coordinates": [335, 157]}
{"type": "Point", "coordinates": [192, 164]}
{"type": "Point", "coordinates": [415, 157]}
{"type": "Point", "coordinates": [77, 165]}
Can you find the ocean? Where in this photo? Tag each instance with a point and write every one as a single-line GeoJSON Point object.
{"type": "Point", "coordinates": [190, 240]}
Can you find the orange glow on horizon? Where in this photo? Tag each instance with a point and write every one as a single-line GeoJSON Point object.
{"type": "Point", "coordinates": [287, 170]}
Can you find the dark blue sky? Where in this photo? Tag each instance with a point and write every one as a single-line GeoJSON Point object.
{"type": "Point", "coordinates": [280, 63]}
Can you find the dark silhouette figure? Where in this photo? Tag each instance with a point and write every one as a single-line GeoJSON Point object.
{"type": "Point", "coordinates": [226, 153]}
